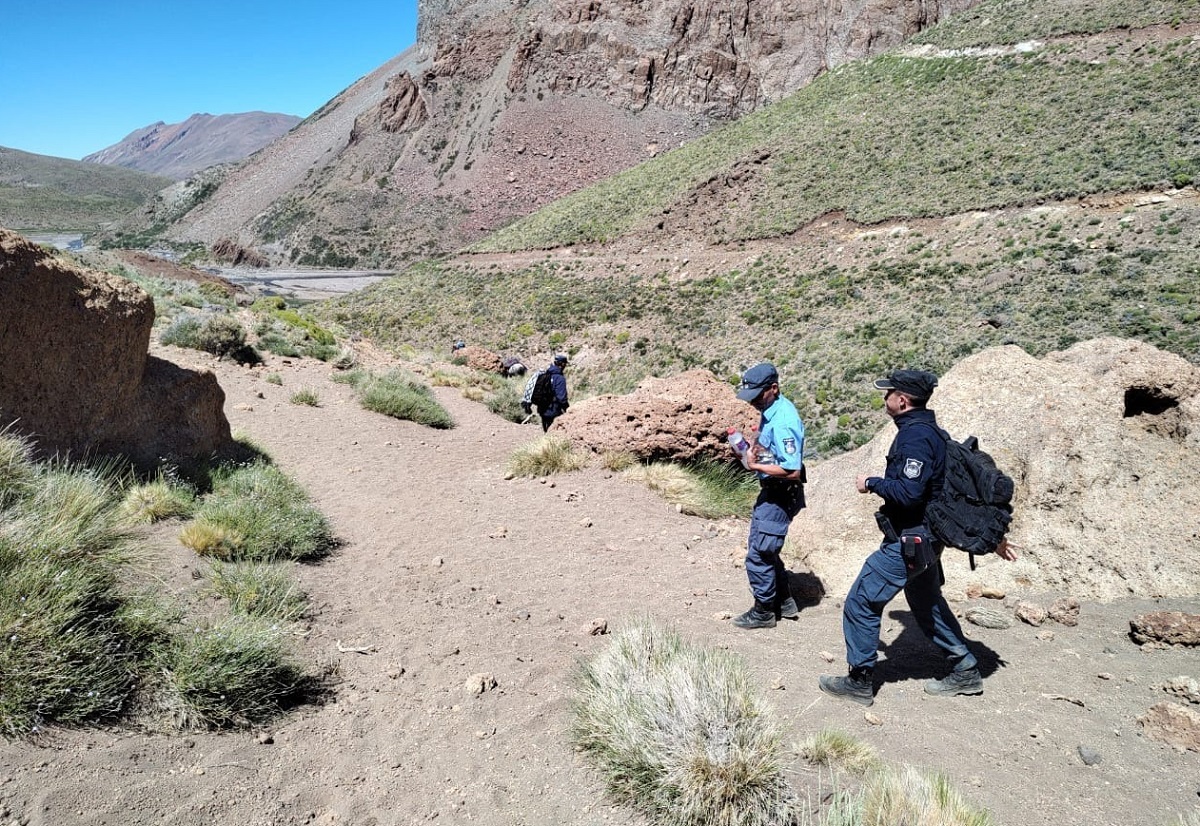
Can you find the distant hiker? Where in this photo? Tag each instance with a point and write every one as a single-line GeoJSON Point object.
{"type": "Point", "coordinates": [512, 367]}
{"type": "Point", "coordinates": [457, 345]}
{"type": "Point", "coordinates": [777, 457]}
{"type": "Point", "coordinates": [916, 464]}
{"type": "Point", "coordinates": [554, 403]}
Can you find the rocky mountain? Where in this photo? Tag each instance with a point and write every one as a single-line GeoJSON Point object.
{"type": "Point", "coordinates": [503, 106]}
{"type": "Point", "coordinates": [177, 150]}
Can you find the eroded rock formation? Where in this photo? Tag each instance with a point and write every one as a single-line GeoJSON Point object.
{"type": "Point", "coordinates": [74, 370]}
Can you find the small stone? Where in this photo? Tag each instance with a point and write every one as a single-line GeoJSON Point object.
{"type": "Point", "coordinates": [264, 738]}
{"type": "Point", "coordinates": [1046, 635]}
{"type": "Point", "coordinates": [989, 592]}
{"type": "Point", "coordinates": [438, 561]}
{"type": "Point", "coordinates": [499, 532]}
{"type": "Point", "coordinates": [1031, 613]}
{"type": "Point", "coordinates": [1065, 611]}
{"type": "Point", "coordinates": [974, 591]}
{"type": "Point", "coordinates": [722, 615]}
{"type": "Point", "coordinates": [479, 683]}
{"type": "Point", "coordinates": [826, 656]}
{"type": "Point", "coordinates": [1088, 755]}
{"type": "Point", "coordinates": [599, 627]}
{"type": "Point", "coordinates": [585, 522]}
{"type": "Point", "coordinates": [872, 718]}
{"type": "Point", "coordinates": [1104, 675]}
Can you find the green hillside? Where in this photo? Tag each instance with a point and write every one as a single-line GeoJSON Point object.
{"type": "Point", "coordinates": [38, 192]}
{"type": "Point", "coordinates": [960, 175]}
{"type": "Point", "coordinates": [906, 135]}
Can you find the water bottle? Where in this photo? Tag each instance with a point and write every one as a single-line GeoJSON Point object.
{"type": "Point", "coordinates": [739, 444]}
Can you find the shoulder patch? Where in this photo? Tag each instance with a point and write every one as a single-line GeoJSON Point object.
{"type": "Point", "coordinates": [789, 447]}
{"type": "Point", "coordinates": [912, 468]}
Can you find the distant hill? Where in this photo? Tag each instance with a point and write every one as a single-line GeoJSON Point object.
{"type": "Point", "coordinates": [177, 150]}
{"type": "Point", "coordinates": [39, 192]}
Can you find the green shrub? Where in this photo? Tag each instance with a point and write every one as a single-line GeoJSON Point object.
{"type": "Point", "coordinates": [260, 515]}
{"type": "Point", "coordinates": [221, 335]}
{"type": "Point", "coordinates": [306, 396]}
{"type": "Point", "coordinates": [236, 672]}
{"type": "Point", "coordinates": [64, 656]}
{"type": "Point", "coordinates": [681, 733]}
{"type": "Point", "coordinates": [840, 751]}
{"type": "Point", "coordinates": [706, 488]}
{"type": "Point", "coordinates": [393, 394]}
{"type": "Point", "coordinates": [258, 589]}
{"type": "Point", "coordinates": [505, 400]}
{"type": "Point", "coordinates": [274, 378]}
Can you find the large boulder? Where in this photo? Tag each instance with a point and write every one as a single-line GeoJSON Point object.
{"type": "Point", "coordinates": [679, 419]}
{"type": "Point", "coordinates": [74, 370]}
{"type": "Point", "coordinates": [1103, 442]}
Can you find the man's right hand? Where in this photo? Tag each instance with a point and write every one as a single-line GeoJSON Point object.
{"type": "Point", "coordinates": [861, 484]}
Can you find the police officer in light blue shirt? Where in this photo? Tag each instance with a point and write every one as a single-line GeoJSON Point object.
{"type": "Point", "coordinates": [777, 456]}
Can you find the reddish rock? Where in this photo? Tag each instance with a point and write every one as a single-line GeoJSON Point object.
{"type": "Point", "coordinates": [1172, 724]}
{"type": "Point", "coordinates": [1031, 613]}
{"type": "Point", "coordinates": [679, 419]}
{"type": "Point", "coordinates": [479, 358]}
{"type": "Point", "coordinates": [1168, 627]}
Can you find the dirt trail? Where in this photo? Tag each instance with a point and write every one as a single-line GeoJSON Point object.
{"type": "Point", "coordinates": [449, 571]}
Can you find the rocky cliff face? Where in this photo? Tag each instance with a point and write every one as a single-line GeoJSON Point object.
{"type": "Point", "coordinates": [503, 106]}
{"type": "Point", "coordinates": [177, 150]}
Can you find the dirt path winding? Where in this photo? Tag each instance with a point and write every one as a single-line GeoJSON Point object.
{"type": "Point", "coordinates": [449, 571]}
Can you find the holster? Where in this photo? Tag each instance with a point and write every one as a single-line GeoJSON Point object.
{"type": "Point", "coordinates": [919, 549]}
{"type": "Point", "coordinates": [885, 525]}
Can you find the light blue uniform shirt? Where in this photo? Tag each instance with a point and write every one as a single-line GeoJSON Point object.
{"type": "Point", "coordinates": [781, 436]}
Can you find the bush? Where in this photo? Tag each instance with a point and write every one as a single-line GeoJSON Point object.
{"type": "Point", "coordinates": [256, 513]}
{"type": "Point", "coordinates": [839, 750]}
{"type": "Point", "coordinates": [395, 395]}
{"type": "Point", "coordinates": [707, 488]}
{"type": "Point", "coordinates": [221, 335]}
{"type": "Point", "coordinates": [545, 457]}
{"type": "Point", "coordinates": [258, 590]}
{"type": "Point", "coordinates": [155, 501]}
{"type": "Point", "coordinates": [505, 400]}
{"type": "Point", "coordinates": [306, 396]}
{"type": "Point", "coordinates": [233, 673]}
{"type": "Point", "coordinates": [65, 655]}
{"type": "Point", "coordinates": [680, 733]}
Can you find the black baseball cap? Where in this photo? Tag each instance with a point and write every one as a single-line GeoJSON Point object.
{"type": "Point", "coordinates": [757, 379]}
{"type": "Point", "coordinates": [916, 383]}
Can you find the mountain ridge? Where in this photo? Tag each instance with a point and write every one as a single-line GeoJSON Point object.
{"type": "Point", "coordinates": [177, 150]}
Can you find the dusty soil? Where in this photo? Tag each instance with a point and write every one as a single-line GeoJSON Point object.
{"type": "Point", "coordinates": [448, 571]}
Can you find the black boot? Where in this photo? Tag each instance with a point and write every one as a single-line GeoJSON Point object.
{"type": "Point", "coordinates": [785, 607]}
{"type": "Point", "coordinates": [857, 687]}
{"type": "Point", "coordinates": [762, 615]}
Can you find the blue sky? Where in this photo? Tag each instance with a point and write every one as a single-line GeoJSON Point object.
{"type": "Point", "coordinates": [76, 77]}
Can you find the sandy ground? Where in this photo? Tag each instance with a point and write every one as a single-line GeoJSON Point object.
{"type": "Point", "coordinates": [448, 571]}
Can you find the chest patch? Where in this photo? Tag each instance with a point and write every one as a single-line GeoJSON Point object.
{"type": "Point", "coordinates": [789, 447]}
{"type": "Point", "coordinates": [912, 468]}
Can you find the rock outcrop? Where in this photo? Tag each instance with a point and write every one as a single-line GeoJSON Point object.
{"type": "Point", "coordinates": [678, 419]}
{"type": "Point", "coordinates": [1103, 441]}
{"type": "Point", "coordinates": [74, 370]}
{"type": "Point", "coordinates": [503, 106]}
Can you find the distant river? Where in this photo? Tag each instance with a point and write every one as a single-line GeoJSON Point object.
{"type": "Point", "coordinates": [301, 283]}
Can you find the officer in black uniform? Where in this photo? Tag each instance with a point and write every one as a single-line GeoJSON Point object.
{"type": "Point", "coordinates": [916, 465]}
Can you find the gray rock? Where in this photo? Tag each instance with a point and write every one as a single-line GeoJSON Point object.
{"type": "Point", "coordinates": [1089, 755]}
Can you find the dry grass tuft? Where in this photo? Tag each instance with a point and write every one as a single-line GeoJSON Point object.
{"type": "Point", "coordinates": [839, 750]}
{"type": "Point", "coordinates": [545, 457]}
{"type": "Point", "coordinates": [680, 733]}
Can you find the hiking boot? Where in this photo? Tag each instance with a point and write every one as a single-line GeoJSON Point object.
{"type": "Point", "coordinates": [788, 609]}
{"type": "Point", "coordinates": [967, 681]}
{"type": "Point", "coordinates": [856, 687]}
{"type": "Point", "coordinates": [760, 616]}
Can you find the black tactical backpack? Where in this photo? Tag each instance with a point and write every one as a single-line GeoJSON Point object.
{"type": "Point", "coordinates": [975, 508]}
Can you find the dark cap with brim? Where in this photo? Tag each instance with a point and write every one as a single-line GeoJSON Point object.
{"type": "Point", "coordinates": [757, 379]}
{"type": "Point", "coordinates": [916, 383]}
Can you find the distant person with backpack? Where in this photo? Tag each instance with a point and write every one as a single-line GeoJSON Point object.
{"type": "Point", "coordinates": [909, 557]}
{"type": "Point", "coordinates": [777, 457]}
{"type": "Point", "coordinates": [550, 392]}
